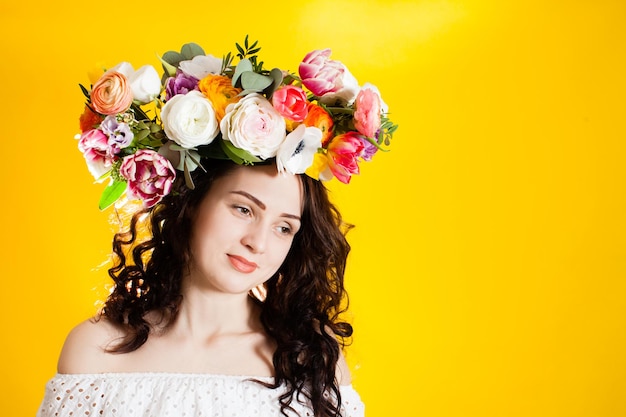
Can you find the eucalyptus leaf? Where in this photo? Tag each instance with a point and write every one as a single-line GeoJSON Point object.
{"type": "Point", "coordinates": [111, 194]}
{"type": "Point", "coordinates": [277, 78]}
{"type": "Point", "coordinates": [188, 180]}
{"type": "Point", "coordinates": [240, 156]}
{"type": "Point", "coordinates": [189, 50]}
{"type": "Point", "coordinates": [243, 66]}
{"type": "Point", "coordinates": [255, 82]}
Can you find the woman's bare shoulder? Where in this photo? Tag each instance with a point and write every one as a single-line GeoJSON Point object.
{"type": "Point", "coordinates": [85, 348]}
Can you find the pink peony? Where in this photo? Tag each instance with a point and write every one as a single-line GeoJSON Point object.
{"type": "Point", "coordinates": [94, 145]}
{"type": "Point", "coordinates": [291, 102]}
{"type": "Point", "coordinates": [343, 153]}
{"type": "Point", "coordinates": [327, 78]}
{"type": "Point", "coordinates": [367, 114]}
{"type": "Point", "coordinates": [149, 175]}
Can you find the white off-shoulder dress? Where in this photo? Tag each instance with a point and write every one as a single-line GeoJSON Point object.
{"type": "Point", "coordinates": [172, 395]}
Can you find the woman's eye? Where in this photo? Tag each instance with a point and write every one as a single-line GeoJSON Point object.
{"type": "Point", "coordinates": [284, 230]}
{"type": "Point", "coordinates": [243, 210]}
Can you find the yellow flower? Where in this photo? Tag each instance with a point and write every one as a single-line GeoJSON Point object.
{"type": "Point", "coordinates": [319, 168]}
{"type": "Point", "coordinates": [220, 92]}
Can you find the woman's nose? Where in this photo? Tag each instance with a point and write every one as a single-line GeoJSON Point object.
{"type": "Point", "coordinates": [255, 238]}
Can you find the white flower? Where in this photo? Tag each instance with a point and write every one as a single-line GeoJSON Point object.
{"type": "Point", "coordinates": [201, 65]}
{"type": "Point", "coordinates": [254, 125]}
{"type": "Point", "coordinates": [296, 153]}
{"type": "Point", "coordinates": [346, 94]}
{"type": "Point", "coordinates": [189, 120]}
{"type": "Point", "coordinates": [144, 83]}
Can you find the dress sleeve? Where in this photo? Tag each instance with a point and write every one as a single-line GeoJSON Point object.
{"type": "Point", "coordinates": [351, 402]}
{"type": "Point", "coordinates": [67, 394]}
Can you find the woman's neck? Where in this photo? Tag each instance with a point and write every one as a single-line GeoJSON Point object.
{"type": "Point", "coordinates": [206, 313]}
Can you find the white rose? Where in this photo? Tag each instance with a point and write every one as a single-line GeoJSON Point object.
{"type": "Point", "coordinates": [201, 65]}
{"type": "Point", "coordinates": [123, 68]}
{"type": "Point", "coordinates": [254, 125]}
{"type": "Point", "coordinates": [144, 83]}
{"type": "Point", "coordinates": [346, 94]}
{"type": "Point", "coordinates": [189, 120]}
{"type": "Point", "coordinates": [296, 153]}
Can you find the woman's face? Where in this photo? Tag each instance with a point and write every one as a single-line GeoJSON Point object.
{"type": "Point", "coordinates": [244, 228]}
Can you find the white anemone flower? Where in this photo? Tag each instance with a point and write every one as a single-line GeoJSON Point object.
{"type": "Point", "coordinates": [296, 153]}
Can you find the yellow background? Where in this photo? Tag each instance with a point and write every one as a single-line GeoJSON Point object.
{"type": "Point", "coordinates": [487, 273]}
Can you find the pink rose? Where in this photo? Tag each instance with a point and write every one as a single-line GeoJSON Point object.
{"type": "Point", "coordinates": [111, 94]}
{"type": "Point", "coordinates": [291, 102]}
{"type": "Point", "coordinates": [327, 78]}
{"type": "Point", "coordinates": [149, 175]}
{"type": "Point", "coordinates": [367, 114]}
{"type": "Point", "coordinates": [97, 152]}
{"type": "Point", "coordinates": [343, 153]}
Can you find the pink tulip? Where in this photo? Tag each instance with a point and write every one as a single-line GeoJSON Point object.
{"type": "Point", "coordinates": [343, 153]}
{"type": "Point", "coordinates": [320, 74]}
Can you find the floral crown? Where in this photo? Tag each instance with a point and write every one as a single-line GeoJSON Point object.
{"type": "Point", "coordinates": [319, 122]}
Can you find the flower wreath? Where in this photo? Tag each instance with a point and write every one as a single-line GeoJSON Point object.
{"type": "Point", "coordinates": [319, 122]}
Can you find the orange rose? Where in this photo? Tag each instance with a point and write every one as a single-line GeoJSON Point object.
{"type": "Point", "coordinates": [89, 120]}
{"type": "Point", "coordinates": [111, 94]}
{"type": "Point", "coordinates": [320, 118]}
{"type": "Point", "coordinates": [220, 92]}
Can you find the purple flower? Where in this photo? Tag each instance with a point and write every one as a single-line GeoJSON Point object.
{"type": "Point", "coordinates": [181, 84]}
{"type": "Point", "coordinates": [119, 134]}
{"type": "Point", "coordinates": [369, 150]}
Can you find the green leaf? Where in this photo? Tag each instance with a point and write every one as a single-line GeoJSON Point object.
{"type": "Point", "coordinates": [238, 155]}
{"type": "Point", "coordinates": [188, 180]}
{"type": "Point", "coordinates": [173, 58]}
{"type": "Point", "coordinates": [170, 61]}
{"type": "Point", "coordinates": [277, 78]}
{"type": "Point", "coordinates": [85, 91]}
{"type": "Point", "coordinates": [189, 50]}
{"type": "Point", "coordinates": [255, 82]}
{"type": "Point", "coordinates": [142, 134]}
{"type": "Point", "coordinates": [242, 53]}
{"type": "Point", "coordinates": [243, 66]}
{"type": "Point", "coordinates": [111, 194]}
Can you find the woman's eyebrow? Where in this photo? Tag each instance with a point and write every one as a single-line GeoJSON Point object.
{"type": "Point", "coordinates": [250, 197]}
{"type": "Point", "coordinates": [261, 204]}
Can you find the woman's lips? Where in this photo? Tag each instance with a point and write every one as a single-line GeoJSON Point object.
{"type": "Point", "coordinates": [241, 264]}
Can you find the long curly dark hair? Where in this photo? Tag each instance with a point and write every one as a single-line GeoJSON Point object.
{"type": "Point", "coordinates": [304, 301]}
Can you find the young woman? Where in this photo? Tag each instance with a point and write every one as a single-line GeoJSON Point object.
{"type": "Point", "coordinates": [229, 282]}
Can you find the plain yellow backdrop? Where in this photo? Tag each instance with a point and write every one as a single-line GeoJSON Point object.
{"type": "Point", "coordinates": [489, 257]}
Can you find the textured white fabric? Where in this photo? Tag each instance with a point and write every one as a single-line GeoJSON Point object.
{"type": "Point", "coordinates": [171, 395]}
